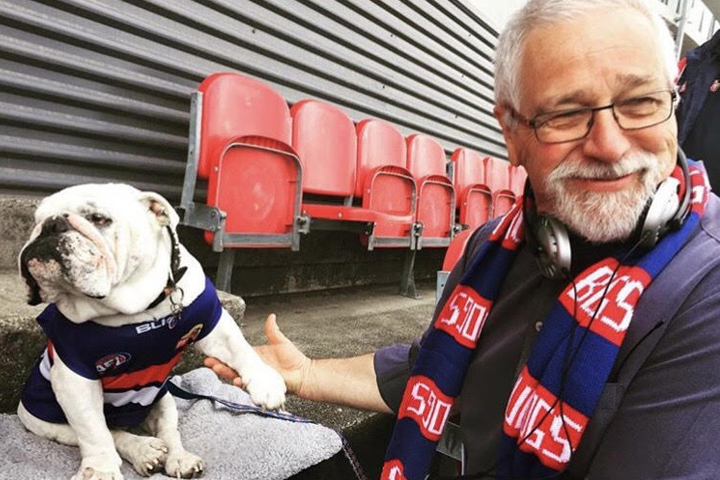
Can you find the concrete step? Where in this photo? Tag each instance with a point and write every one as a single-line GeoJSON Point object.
{"type": "Point", "coordinates": [17, 215]}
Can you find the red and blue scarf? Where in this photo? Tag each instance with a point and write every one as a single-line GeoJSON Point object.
{"type": "Point", "coordinates": [553, 398]}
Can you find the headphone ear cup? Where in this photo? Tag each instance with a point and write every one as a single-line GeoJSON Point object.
{"type": "Point", "coordinates": [554, 254]}
{"type": "Point", "coordinates": [663, 206]}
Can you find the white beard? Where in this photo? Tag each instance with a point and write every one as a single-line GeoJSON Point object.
{"type": "Point", "coordinates": [603, 216]}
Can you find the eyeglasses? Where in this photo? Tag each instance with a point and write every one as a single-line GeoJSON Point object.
{"type": "Point", "coordinates": [633, 113]}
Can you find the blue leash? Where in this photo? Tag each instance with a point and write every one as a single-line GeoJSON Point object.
{"type": "Point", "coordinates": [239, 408]}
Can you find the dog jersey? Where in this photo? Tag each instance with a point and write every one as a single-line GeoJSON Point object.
{"type": "Point", "coordinates": [133, 361]}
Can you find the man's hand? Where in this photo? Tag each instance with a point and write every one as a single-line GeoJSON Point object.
{"type": "Point", "coordinates": [280, 353]}
{"type": "Point", "coordinates": [343, 381]}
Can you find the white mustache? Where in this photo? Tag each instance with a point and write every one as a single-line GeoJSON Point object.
{"type": "Point", "coordinates": [630, 163]}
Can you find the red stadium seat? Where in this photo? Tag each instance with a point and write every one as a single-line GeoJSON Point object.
{"type": "Point", "coordinates": [240, 142]}
{"type": "Point", "coordinates": [342, 164]}
{"type": "Point", "coordinates": [233, 106]}
{"type": "Point", "coordinates": [324, 138]}
{"type": "Point", "coordinates": [474, 197]}
{"type": "Point", "coordinates": [326, 141]}
{"type": "Point", "coordinates": [497, 174]}
{"type": "Point", "coordinates": [453, 254]}
{"type": "Point", "coordinates": [384, 185]}
{"type": "Point", "coordinates": [456, 249]}
{"type": "Point", "coordinates": [436, 196]}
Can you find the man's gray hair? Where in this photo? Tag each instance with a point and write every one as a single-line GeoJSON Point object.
{"type": "Point", "coordinates": [546, 12]}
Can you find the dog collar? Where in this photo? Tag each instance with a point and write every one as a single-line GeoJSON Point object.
{"type": "Point", "coordinates": [174, 276]}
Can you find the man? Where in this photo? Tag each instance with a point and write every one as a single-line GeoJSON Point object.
{"type": "Point", "coordinates": [699, 111]}
{"type": "Point", "coordinates": [611, 368]}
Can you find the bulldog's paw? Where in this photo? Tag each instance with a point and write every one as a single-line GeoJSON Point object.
{"type": "Point", "coordinates": [266, 387]}
{"type": "Point", "coordinates": [89, 473]}
{"type": "Point", "coordinates": [146, 454]}
{"type": "Point", "coordinates": [99, 467]}
{"type": "Point", "coordinates": [183, 464]}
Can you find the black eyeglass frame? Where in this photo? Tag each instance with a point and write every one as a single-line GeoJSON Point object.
{"type": "Point", "coordinates": [533, 122]}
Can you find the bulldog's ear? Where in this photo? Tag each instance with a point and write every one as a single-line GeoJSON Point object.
{"type": "Point", "coordinates": [32, 289]}
{"type": "Point", "coordinates": [162, 209]}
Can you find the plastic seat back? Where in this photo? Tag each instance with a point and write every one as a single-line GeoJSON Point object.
{"type": "Point", "coordinates": [497, 173]}
{"type": "Point", "coordinates": [381, 149]}
{"type": "Point", "coordinates": [436, 195]}
{"type": "Point", "coordinates": [474, 198]}
{"type": "Point", "coordinates": [236, 106]}
{"type": "Point", "coordinates": [425, 156]}
{"type": "Point", "coordinates": [324, 138]}
{"type": "Point", "coordinates": [456, 249]}
{"type": "Point", "coordinates": [253, 173]}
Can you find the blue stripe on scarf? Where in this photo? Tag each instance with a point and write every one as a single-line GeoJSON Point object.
{"type": "Point", "coordinates": [520, 464]}
{"type": "Point", "coordinates": [416, 461]}
{"type": "Point", "coordinates": [585, 379]}
{"type": "Point", "coordinates": [442, 353]}
{"type": "Point", "coordinates": [498, 262]}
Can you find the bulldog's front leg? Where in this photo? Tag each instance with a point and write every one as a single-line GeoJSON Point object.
{"type": "Point", "coordinates": [227, 343]}
{"type": "Point", "coordinates": [162, 422]}
{"type": "Point", "coordinates": [82, 402]}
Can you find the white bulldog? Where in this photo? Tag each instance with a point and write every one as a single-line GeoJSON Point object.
{"type": "Point", "coordinates": [127, 299]}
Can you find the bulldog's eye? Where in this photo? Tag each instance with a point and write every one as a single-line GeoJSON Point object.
{"type": "Point", "coordinates": [99, 219]}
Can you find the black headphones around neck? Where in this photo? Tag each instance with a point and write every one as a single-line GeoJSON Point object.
{"type": "Point", "coordinates": [550, 242]}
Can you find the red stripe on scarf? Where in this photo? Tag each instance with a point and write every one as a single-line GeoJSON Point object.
{"type": "Point", "coordinates": [537, 431]}
{"type": "Point", "coordinates": [464, 315]}
{"type": "Point", "coordinates": [618, 304]}
{"type": "Point", "coordinates": [700, 190]}
{"type": "Point", "coordinates": [514, 236]}
{"type": "Point", "coordinates": [510, 228]}
{"type": "Point", "coordinates": [427, 405]}
{"type": "Point", "coordinates": [393, 470]}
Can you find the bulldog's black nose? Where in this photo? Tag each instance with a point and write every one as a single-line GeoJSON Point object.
{"type": "Point", "coordinates": [55, 225]}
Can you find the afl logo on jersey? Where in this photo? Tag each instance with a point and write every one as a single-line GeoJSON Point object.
{"type": "Point", "coordinates": [111, 362]}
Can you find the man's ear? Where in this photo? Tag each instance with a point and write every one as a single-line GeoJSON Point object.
{"type": "Point", "coordinates": [162, 209]}
{"type": "Point", "coordinates": [504, 118]}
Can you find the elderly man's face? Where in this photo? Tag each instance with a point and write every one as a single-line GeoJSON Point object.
{"type": "Point", "coordinates": [597, 185]}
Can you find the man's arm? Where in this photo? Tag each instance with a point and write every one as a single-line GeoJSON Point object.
{"type": "Point", "coordinates": [344, 381]}
{"type": "Point", "coordinates": [352, 382]}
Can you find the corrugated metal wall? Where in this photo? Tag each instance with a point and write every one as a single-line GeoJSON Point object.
{"type": "Point", "coordinates": [98, 90]}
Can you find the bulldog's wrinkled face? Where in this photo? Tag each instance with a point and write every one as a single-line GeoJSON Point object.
{"type": "Point", "coordinates": [90, 238]}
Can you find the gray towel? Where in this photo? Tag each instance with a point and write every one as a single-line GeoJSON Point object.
{"type": "Point", "coordinates": [234, 447]}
